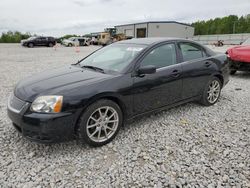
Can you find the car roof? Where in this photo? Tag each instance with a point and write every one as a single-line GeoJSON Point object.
{"type": "Point", "coordinates": [150, 41]}
{"type": "Point", "coordinates": [155, 40]}
{"type": "Point", "coordinates": [43, 36]}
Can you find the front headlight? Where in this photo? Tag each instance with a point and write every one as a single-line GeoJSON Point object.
{"type": "Point", "coordinates": [47, 104]}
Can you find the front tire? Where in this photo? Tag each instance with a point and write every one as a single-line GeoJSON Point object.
{"type": "Point", "coordinates": [30, 45]}
{"type": "Point", "coordinates": [100, 123]}
{"type": "Point", "coordinates": [212, 91]}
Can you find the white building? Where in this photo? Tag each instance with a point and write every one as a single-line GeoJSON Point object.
{"type": "Point", "coordinates": [156, 29]}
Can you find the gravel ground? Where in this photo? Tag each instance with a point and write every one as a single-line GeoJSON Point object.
{"type": "Point", "coordinates": [187, 146]}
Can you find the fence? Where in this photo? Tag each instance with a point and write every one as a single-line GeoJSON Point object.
{"type": "Point", "coordinates": [227, 38]}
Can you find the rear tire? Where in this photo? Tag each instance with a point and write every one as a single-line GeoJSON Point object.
{"type": "Point", "coordinates": [212, 91]}
{"type": "Point", "coordinates": [51, 44]}
{"type": "Point", "coordinates": [100, 123]}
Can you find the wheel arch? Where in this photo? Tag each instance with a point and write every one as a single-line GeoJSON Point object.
{"type": "Point", "coordinates": [113, 97]}
{"type": "Point", "coordinates": [50, 42]}
{"type": "Point", "coordinates": [109, 96]}
{"type": "Point", "coordinates": [30, 43]}
{"type": "Point", "coordinates": [220, 77]}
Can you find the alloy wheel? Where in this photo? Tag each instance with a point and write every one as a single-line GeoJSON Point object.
{"type": "Point", "coordinates": [213, 91]}
{"type": "Point", "coordinates": [102, 124]}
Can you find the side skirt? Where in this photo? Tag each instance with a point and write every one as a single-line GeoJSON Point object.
{"type": "Point", "coordinates": [162, 108]}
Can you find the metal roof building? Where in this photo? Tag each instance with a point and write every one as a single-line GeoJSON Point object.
{"type": "Point", "coordinates": [156, 29]}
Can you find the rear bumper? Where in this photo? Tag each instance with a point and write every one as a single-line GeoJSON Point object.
{"type": "Point", "coordinates": [44, 128]}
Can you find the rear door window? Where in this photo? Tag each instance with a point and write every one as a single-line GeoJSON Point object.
{"type": "Point", "coordinates": [191, 51]}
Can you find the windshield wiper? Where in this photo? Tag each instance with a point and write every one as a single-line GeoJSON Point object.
{"type": "Point", "coordinates": [93, 68]}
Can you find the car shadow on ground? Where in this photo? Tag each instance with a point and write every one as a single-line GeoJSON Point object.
{"type": "Point", "coordinates": [242, 74]}
{"type": "Point", "coordinates": [154, 116]}
{"type": "Point", "coordinates": [71, 146]}
{"type": "Point", "coordinates": [39, 148]}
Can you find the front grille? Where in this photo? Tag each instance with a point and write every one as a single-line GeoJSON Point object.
{"type": "Point", "coordinates": [16, 103]}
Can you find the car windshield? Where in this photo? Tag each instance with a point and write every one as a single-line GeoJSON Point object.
{"type": "Point", "coordinates": [31, 38]}
{"type": "Point", "coordinates": [247, 42]}
{"type": "Point", "coordinates": [115, 57]}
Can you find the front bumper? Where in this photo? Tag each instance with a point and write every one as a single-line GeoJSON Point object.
{"type": "Point", "coordinates": [44, 128]}
{"type": "Point", "coordinates": [24, 44]}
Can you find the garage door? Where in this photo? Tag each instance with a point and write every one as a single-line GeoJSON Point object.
{"type": "Point", "coordinates": [129, 32]}
{"type": "Point", "coordinates": [141, 33]}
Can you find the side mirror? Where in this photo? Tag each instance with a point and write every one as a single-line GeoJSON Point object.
{"type": "Point", "coordinates": [148, 69]}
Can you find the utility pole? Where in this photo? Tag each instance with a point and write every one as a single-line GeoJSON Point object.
{"type": "Point", "coordinates": [234, 27]}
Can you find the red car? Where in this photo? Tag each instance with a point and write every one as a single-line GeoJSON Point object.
{"type": "Point", "coordinates": [239, 57]}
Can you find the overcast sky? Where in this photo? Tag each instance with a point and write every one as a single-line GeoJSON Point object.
{"type": "Point", "coordinates": [59, 17]}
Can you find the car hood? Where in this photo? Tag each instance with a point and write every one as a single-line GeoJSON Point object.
{"type": "Point", "coordinates": [24, 40]}
{"type": "Point", "coordinates": [53, 82]}
{"type": "Point", "coordinates": [240, 53]}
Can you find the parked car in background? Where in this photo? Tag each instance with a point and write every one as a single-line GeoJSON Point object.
{"type": "Point", "coordinates": [39, 41]}
{"type": "Point", "coordinates": [58, 40]}
{"type": "Point", "coordinates": [76, 41]}
{"type": "Point", "coordinates": [91, 99]}
{"type": "Point", "coordinates": [239, 57]}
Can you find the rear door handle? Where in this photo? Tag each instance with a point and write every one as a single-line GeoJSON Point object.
{"type": "Point", "coordinates": [175, 73]}
{"type": "Point", "coordinates": [207, 64]}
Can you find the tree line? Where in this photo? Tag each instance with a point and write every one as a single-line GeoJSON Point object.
{"type": "Point", "coordinates": [225, 25]}
{"type": "Point", "coordinates": [16, 37]}
{"type": "Point", "coordinates": [13, 37]}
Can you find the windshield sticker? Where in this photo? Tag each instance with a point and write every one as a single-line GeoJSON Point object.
{"type": "Point", "coordinates": [134, 49]}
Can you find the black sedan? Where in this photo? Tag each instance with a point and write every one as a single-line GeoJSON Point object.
{"type": "Point", "coordinates": [91, 99]}
{"type": "Point", "coordinates": [39, 41]}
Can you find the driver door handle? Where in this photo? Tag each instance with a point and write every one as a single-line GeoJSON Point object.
{"type": "Point", "coordinates": [208, 64]}
{"type": "Point", "coordinates": [176, 73]}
